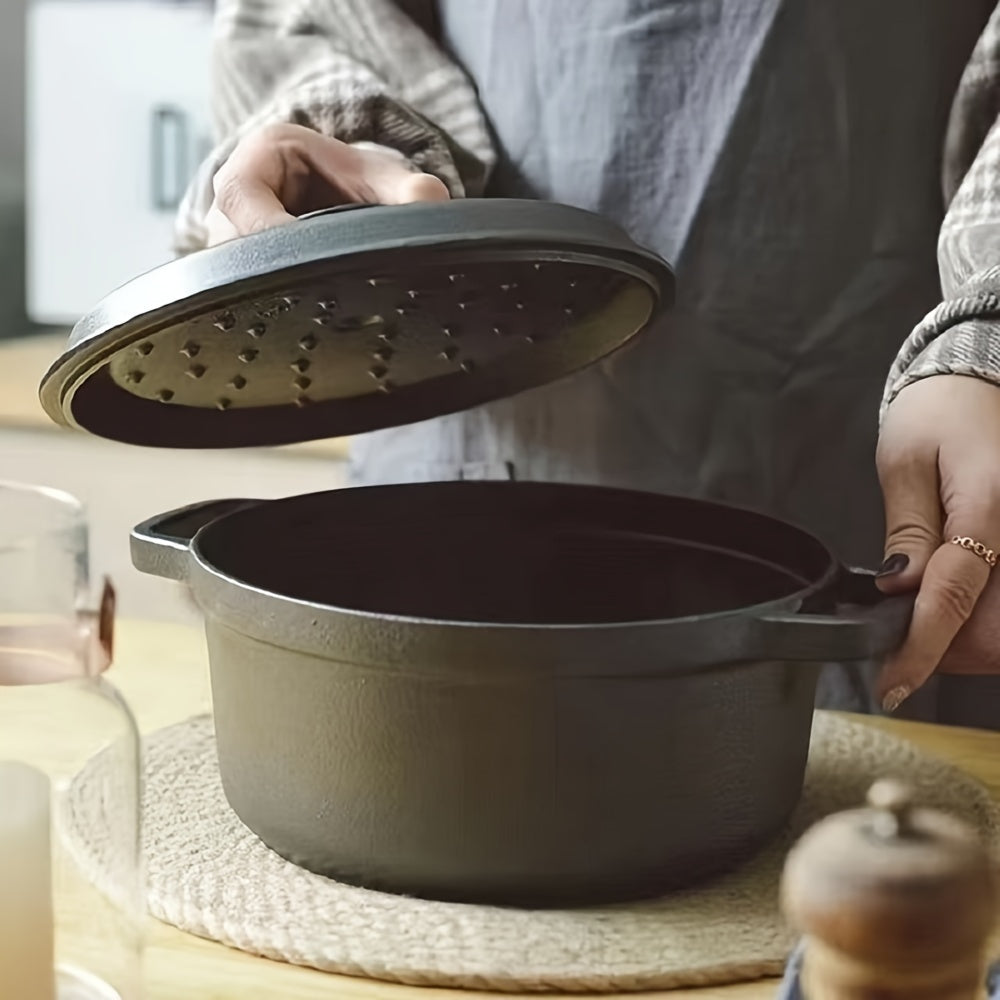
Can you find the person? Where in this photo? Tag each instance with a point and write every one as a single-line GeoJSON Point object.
{"type": "Point", "coordinates": [788, 158]}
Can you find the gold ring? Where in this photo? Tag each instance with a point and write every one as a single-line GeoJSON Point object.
{"type": "Point", "coordinates": [977, 549]}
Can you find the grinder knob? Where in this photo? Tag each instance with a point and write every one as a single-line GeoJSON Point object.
{"type": "Point", "coordinates": [892, 901]}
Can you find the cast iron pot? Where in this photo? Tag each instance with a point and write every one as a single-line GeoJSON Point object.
{"type": "Point", "coordinates": [514, 693]}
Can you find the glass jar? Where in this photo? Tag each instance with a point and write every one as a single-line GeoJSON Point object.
{"type": "Point", "coordinates": [71, 898]}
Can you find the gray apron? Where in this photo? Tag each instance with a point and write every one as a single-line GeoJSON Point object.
{"type": "Point", "coordinates": [785, 156]}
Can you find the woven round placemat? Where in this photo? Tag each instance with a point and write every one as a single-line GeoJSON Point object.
{"type": "Point", "coordinates": [209, 875]}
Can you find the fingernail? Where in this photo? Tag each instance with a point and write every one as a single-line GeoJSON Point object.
{"type": "Point", "coordinates": [895, 698]}
{"type": "Point", "coordinates": [893, 565]}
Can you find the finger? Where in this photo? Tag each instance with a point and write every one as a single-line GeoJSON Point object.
{"type": "Point", "coordinates": [912, 493]}
{"type": "Point", "coordinates": [951, 586]}
{"type": "Point", "coordinates": [416, 187]}
{"type": "Point", "coordinates": [248, 203]}
{"type": "Point", "coordinates": [371, 173]}
{"type": "Point", "coordinates": [218, 228]}
{"type": "Point", "coordinates": [396, 180]}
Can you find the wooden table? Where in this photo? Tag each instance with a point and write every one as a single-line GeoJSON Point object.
{"type": "Point", "coordinates": [162, 671]}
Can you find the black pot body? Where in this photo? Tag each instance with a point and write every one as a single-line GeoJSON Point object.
{"type": "Point", "coordinates": [522, 791]}
{"type": "Point", "coordinates": [513, 693]}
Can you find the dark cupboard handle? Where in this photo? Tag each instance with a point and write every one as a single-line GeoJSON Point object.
{"type": "Point", "coordinates": [170, 157]}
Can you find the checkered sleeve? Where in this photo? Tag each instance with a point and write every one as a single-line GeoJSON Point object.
{"type": "Point", "coordinates": [961, 336]}
{"type": "Point", "coordinates": [359, 70]}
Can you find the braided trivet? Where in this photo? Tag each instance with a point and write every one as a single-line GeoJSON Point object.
{"type": "Point", "coordinates": [208, 874]}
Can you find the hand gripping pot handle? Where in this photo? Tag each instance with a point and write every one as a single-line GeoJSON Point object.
{"type": "Point", "coordinates": [161, 546]}
{"type": "Point", "coordinates": [866, 625]}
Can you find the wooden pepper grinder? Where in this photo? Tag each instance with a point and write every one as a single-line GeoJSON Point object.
{"type": "Point", "coordinates": [892, 901]}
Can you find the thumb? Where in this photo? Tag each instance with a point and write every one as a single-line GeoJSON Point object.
{"type": "Point", "coordinates": [368, 172]}
{"type": "Point", "coordinates": [911, 490]}
{"type": "Point", "coordinates": [418, 187]}
{"type": "Point", "coordinates": [394, 180]}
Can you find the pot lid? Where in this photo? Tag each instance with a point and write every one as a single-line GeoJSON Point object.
{"type": "Point", "coordinates": [354, 319]}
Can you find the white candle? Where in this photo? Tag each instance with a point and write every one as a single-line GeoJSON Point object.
{"type": "Point", "coordinates": [26, 922]}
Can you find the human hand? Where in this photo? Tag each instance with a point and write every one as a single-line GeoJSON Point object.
{"type": "Point", "coordinates": [939, 465]}
{"type": "Point", "coordinates": [282, 171]}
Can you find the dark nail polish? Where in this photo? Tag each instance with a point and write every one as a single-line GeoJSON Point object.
{"type": "Point", "coordinates": [895, 698]}
{"type": "Point", "coordinates": [893, 565]}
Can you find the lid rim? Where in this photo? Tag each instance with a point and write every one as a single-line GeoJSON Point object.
{"type": "Point", "coordinates": [487, 230]}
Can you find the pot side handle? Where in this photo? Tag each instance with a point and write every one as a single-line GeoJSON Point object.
{"type": "Point", "coordinates": [161, 546]}
{"type": "Point", "coordinates": [867, 625]}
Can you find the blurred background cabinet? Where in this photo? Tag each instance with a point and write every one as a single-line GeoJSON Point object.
{"type": "Point", "coordinates": [117, 120]}
{"type": "Point", "coordinates": [104, 115]}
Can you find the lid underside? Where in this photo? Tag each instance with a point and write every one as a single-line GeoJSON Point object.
{"type": "Point", "coordinates": [351, 322]}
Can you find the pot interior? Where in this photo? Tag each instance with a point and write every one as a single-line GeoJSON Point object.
{"type": "Point", "coordinates": [514, 553]}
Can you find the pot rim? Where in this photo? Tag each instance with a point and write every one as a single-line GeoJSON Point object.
{"type": "Point", "coordinates": [829, 575]}
{"type": "Point", "coordinates": [443, 648]}
{"type": "Point", "coordinates": [797, 597]}
{"type": "Point", "coordinates": [641, 647]}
